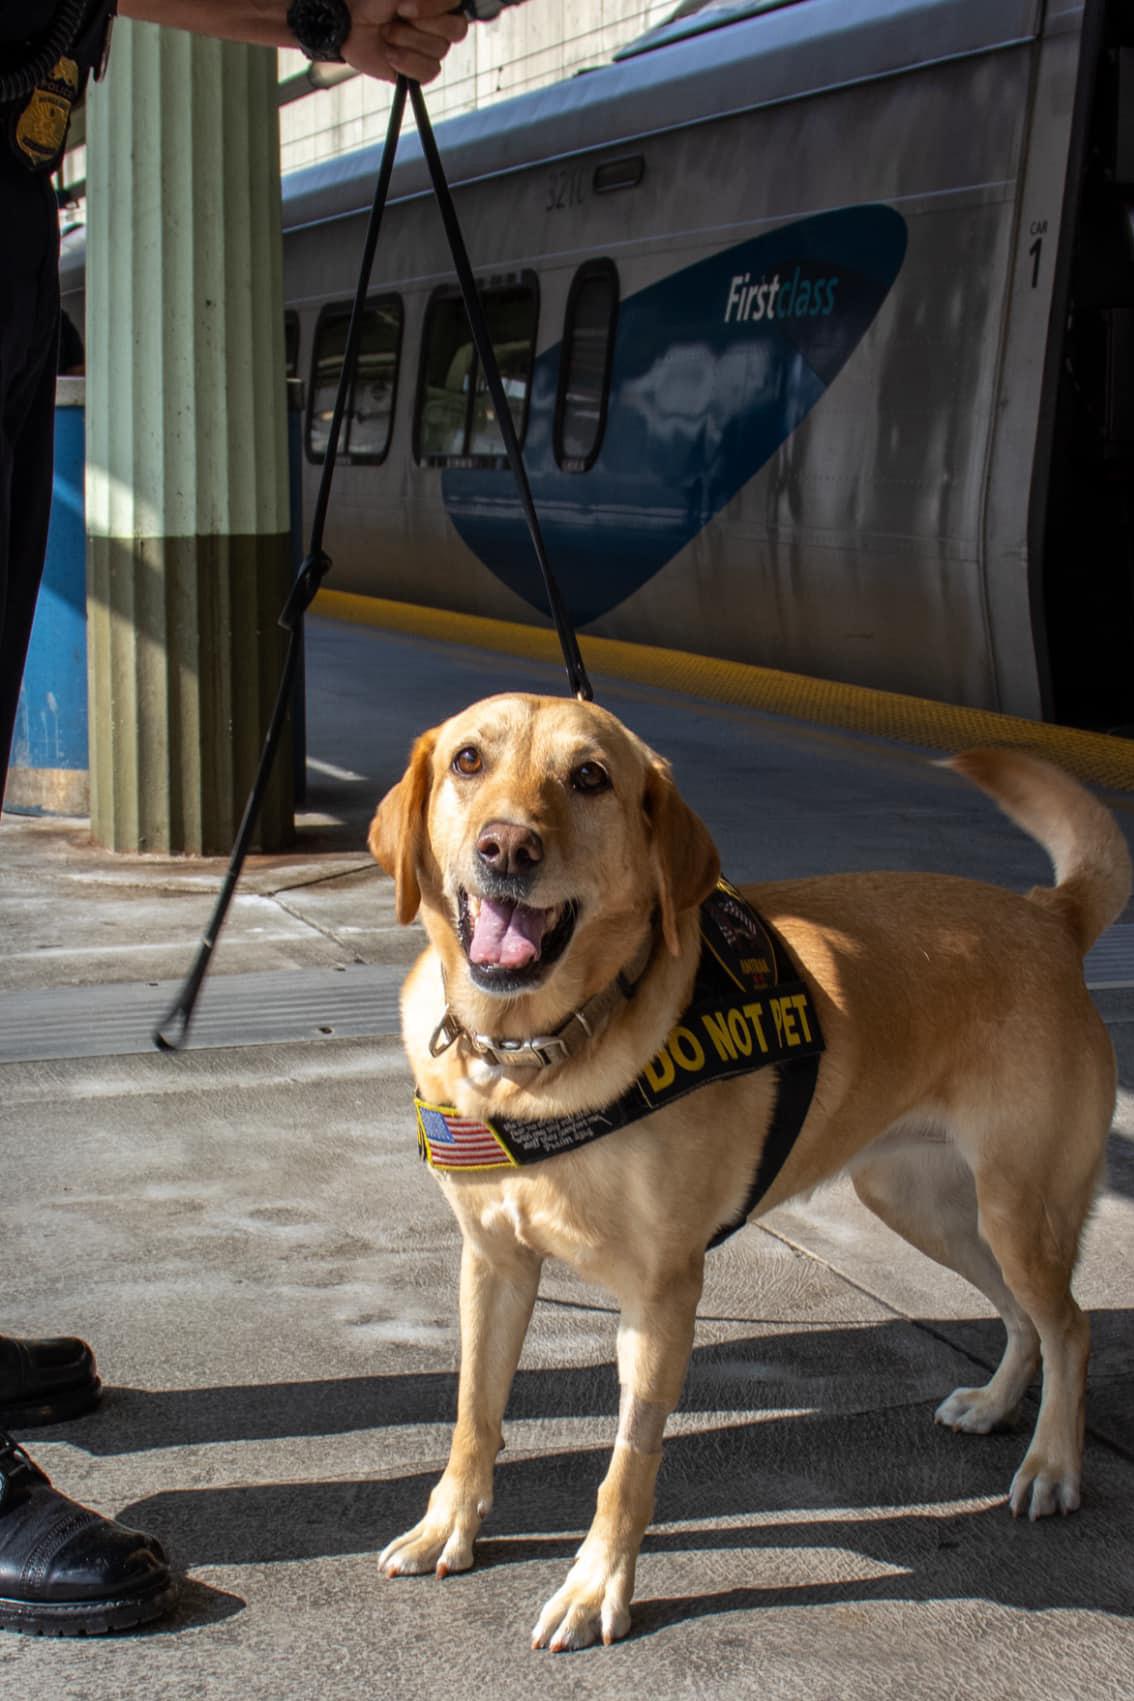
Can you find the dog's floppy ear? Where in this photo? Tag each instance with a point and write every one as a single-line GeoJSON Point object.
{"type": "Point", "coordinates": [397, 832]}
{"type": "Point", "coordinates": [682, 854]}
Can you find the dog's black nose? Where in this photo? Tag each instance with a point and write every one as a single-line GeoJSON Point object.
{"type": "Point", "coordinates": [506, 848]}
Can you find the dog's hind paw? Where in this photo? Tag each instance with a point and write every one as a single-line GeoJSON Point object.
{"type": "Point", "coordinates": [1039, 1489]}
{"type": "Point", "coordinates": [592, 1605]}
{"type": "Point", "coordinates": [972, 1410]}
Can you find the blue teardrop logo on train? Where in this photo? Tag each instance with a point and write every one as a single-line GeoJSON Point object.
{"type": "Point", "coordinates": [713, 369]}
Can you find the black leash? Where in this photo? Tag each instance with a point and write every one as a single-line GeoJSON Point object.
{"type": "Point", "coordinates": [576, 673]}
{"type": "Point", "coordinates": [173, 1030]}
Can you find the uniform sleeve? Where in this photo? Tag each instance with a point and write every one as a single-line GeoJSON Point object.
{"type": "Point", "coordinates": [25, 20]}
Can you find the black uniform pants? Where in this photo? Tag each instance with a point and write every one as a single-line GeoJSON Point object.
{"type": "Point", "coordinates": [29, 336]}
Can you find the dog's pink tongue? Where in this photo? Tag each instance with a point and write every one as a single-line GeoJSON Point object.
{"type": "Point", "coordinates": [507, 935]}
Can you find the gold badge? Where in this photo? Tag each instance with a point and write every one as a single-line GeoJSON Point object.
{"type": "Point", "coordinates": [41, 129]}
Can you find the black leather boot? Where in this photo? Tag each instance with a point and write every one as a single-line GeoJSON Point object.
{"type": "Point", "coordinates": [45, 1381]}
{"type": "Point", "coordinates": [66, 1571]}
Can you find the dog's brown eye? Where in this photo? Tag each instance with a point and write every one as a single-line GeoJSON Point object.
{"type": "Point", "coordinates": [590, 776]}
{"type": "Point", "coordinates": [467, 761]}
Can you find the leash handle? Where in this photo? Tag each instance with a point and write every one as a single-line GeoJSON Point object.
{"type": "Point", "coordinates": [172, 1032]}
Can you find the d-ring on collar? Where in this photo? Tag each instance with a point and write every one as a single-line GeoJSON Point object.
{"type": "Point", "coordinates": [543, 1050]}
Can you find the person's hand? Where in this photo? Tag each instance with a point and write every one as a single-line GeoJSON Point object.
{"type": "Point", "coordinates": [392, 38]}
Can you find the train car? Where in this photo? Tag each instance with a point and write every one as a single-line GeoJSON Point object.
{"type": "Point", "coordinates": [816, 318]}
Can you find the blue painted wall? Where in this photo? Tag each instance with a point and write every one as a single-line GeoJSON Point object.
{"type": "Point", "coordinates": [51, 720]}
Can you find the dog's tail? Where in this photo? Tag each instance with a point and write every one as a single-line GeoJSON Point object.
{"type": "Point", "coordinates": [1081, 836]}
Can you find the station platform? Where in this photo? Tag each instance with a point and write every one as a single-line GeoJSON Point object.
{"type": "Point", "coordinates": [268, 1275]}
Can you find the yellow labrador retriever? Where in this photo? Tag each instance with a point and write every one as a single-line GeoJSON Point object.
{"type": "Point", "coordinates": [967, 1084]}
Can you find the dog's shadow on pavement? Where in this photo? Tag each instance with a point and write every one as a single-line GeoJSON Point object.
{"type": "Point", "coordinates": [881, 1489]}
{"type": "Point", "coordinates": [919, 1511]}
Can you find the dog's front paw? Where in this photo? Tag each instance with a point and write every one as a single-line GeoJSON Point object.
{"type": "Point", "coordinates": [1041, 1487]}
{"type": "Point", "coordinates": [593, 1603]}
{"type": "Point", "coordinates": [442, 1542]}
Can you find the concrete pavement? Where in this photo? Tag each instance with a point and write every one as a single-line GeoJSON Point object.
{"type": "Point", "coordinates": [268, 1275]}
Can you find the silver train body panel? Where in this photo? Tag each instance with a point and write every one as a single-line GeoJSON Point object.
{"type": "Point", "coordinates": [893, 533]}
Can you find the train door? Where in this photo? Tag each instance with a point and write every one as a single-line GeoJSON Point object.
{"type": "Point", "coordinates": [1086, 509]}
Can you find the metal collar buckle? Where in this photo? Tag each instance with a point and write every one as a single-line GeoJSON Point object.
{"type": "Point", "coordinates": [539, 1052]}
{"type": "Point", "coordinates": [507, 1054]}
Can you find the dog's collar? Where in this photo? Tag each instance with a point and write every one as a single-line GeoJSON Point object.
{"type": "Point", "coordinates": [543, 1050]}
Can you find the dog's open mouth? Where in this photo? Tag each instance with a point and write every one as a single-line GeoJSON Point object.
{"type": "Point", "coordinates": [511, 945]}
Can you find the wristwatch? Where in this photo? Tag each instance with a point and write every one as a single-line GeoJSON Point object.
{"type": "Point", "coordinates": [320, 27]}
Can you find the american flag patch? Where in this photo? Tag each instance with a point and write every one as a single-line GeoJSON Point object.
{"type": "Point", "coordinates": [448, 1140]}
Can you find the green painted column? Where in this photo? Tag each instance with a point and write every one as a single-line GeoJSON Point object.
{"type": "Point", "coordinates": [187, 479]}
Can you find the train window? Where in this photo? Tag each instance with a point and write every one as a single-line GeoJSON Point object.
{"type": "Point", "coordinates": [370, 411]}
{"type": "Point", "coordinates": [456, 420]}
{"type": "Point", "coordinates": [511, 317]}
{"type": "Point", "coordinates": [375, 383]}
{"type": "Point", "coordinates": [448, 365]}
{"type": "Point", "coordinates": [584, 365]}
{"type": "Point", "coordinates": [291, 343]}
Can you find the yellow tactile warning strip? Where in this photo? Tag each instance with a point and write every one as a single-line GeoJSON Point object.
{"type": "Point", "coordinates": [1095, 756]}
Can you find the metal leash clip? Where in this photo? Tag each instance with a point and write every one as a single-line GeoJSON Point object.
{"type": "Point", "coordinates": [445, 1034]}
